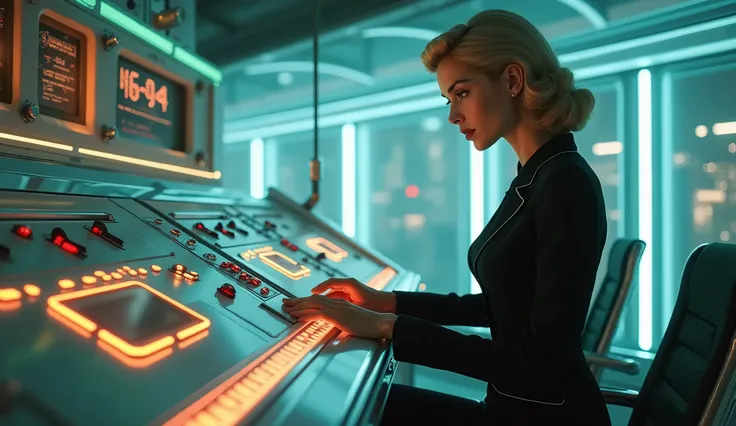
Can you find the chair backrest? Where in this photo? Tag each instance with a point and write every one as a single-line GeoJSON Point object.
{"type": "Point", "coordinates": [604, 315]}
{"type": "Point", "coordinates": [698, 338]}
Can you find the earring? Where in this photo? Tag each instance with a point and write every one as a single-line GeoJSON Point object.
{"type": "Point", "coordinates": [513, 95]}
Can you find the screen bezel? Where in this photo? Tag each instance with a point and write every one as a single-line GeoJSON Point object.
{"type": "Point", "coordinates": [80, 117]}
{"type": "Point", "coordinates": [187, 129]}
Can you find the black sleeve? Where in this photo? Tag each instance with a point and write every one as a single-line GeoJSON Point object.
{"type": "Point", "coordinates": [445, 309]}
{"type": "Point", "coordinates": [569, 239]}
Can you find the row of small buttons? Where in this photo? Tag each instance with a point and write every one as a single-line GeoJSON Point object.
{"type": "Point", "coordinates": [245, 277]}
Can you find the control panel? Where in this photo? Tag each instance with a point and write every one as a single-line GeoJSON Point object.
{"type": "Point", "coordinates": [85, 279]}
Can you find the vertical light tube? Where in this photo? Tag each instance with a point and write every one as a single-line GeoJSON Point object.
{"type": "Point", "coordinates": [669, 284]}
{"type": "Point", "coordinates": [645, 207]}
{"type": "Point", "coordinates": [363, 184]}
{"type": "Point", "coordinates": [257, 178]}
{"type": "Point", "coordinates": [477, 201]}
{"type": "Point", "coordinates": [271, 164]}
{"type": "Point", "coordinates": [348, 179]}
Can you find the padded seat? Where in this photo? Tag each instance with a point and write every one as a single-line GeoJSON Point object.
{"type": "Point", "coordinates": [680, 387]}
{"type": "Point", "coordinates": [605, 313]}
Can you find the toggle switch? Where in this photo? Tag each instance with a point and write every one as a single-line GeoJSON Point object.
{"type": "Point", "coordinates": [227, 290]}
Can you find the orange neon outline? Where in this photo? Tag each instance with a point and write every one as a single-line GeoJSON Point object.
{"type": "Point", "coordinates": [56, 304]}
{"type": "Point", "coordinates": [330, 249]}
{"type": "Point", "coordinates": [294, 276]}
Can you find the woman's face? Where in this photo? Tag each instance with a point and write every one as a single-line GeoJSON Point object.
{"type": "Point", "coordinates": [482, 109]}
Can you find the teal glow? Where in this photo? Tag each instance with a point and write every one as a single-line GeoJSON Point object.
{"type": "Point", "coordinates": [124, 21]}
{"type": "Point", "coordinates": [90, 4]}
{"type": "Point", "coordinates": [348, 179]}
{"type": "Point", "coordinates": [203, 67]}
{"type": "Point", "coordinates": [669, 285]}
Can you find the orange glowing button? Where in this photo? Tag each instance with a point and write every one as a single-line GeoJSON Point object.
{"type": "Point", "coordinates": [121, 271]}
{"type": "Point", "coordinates": [106, 277]}
{"type": "Point", "coordinates": [127, 268]}
{"type": "Point", "coordinates": [89, 280]}
{"type": "Point", "coordinates": [10, 294]}
{"type": "Point", "coordinates": [284, 264]}
{"type": "Point", "coordinates": [330, 249]}
{"type": "Point", "coordinates": [155, 268]}
{"type": "Point", "coordinates": [132, 272]}
{"type": "Point", "coordinates": [142, 271]}
{"type": "Point", "coordinates": [99, 273]}
{"type": "Point", "coordinates": [96, 310]}
{"type": "Point", "coordinates": [32, 290]}
{"type": "Point", "coordinates": [66, 284]}
{"type": "Point", "coordinates": [117, 276]}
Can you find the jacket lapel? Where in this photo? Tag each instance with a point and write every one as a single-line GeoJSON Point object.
{"type": "Point", "coordinates": [514, 200]}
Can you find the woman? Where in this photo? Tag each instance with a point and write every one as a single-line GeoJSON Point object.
{"type": "Point", "coordinates": [535, 261]}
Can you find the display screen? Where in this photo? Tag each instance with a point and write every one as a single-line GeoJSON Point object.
{"type": "Point", "coordinates": [133, 314]}
{"type": "Point", "coordinates": [6, 51]}
{"type": "Point", "coordinates": [150, 107]}
{"type": "Point", "coordinates": [59, 72]}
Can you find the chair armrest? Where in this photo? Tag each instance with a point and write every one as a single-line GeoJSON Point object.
{"type": "Point", "coordinates": [624, 365]}
{"type": "Point", "coordinates": [621, 397]}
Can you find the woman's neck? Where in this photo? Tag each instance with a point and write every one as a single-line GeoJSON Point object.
{"type": "Point", "coordinates": [526, 140]}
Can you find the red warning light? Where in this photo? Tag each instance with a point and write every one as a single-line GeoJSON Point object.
{"type": "Point", "coordinates": [411, 191]}
{"type": "Point", "coordinates": [22, 231]}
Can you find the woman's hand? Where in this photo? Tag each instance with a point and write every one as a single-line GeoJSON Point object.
{"type": "Point", "coordinates": [350, 318]}
{"type": "Point", "coordinates": [357, 293]}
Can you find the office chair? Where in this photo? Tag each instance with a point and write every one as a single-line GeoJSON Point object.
{"type": "Point", "coordinates": [689, 375]}
{"type": "Point", "coordinates": [604, 316]}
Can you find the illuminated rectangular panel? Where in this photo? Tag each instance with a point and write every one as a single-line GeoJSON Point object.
{"type": "Point", "coordinates": [257, 176]}
{"type": "Point", "coordinates": [151, 164]}
{"type": "Point", "coordinates": [331, 250]}
{"type": "Point", "coordinates": [101, 310]}
{"type": "Point", "coordinates": [284, 264]}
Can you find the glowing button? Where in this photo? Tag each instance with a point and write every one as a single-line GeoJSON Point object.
{"type": "Point", "coordinates": [99, 273]}
{"type": "Point", "coordinates": [127, 268]}
{"type": "Point", "coordinates": [9, 294]}
{"type": "Point", "coordinates": [89, 280]}
{"type": "Point", "coordinates": [31, 290]}
{"type": "Point", "coordinates": [106, 278]}
{"type": "Point", "coordinates": [155, 268]}
{"type": "Point", "coordinates": [121, 271]}
{"type": "Point", "coordinates": [142, 271]}
{"type": "Point", "coordinates": [132, 272]}
{"type": "Point", "coordinates": [116, 275]}
{"type": "Point", "coordinates": [66, 284]}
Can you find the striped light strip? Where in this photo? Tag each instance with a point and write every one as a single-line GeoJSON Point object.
{"type": "Point", "coordinates": [151, 164]}
{"type": "Point", "coordinates": [230, 402]}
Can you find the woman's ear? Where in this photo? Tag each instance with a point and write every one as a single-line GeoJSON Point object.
{"type": "Point", "coordinates": [514, 77]}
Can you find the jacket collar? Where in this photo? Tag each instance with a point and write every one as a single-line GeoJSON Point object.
{"type": "Point", "coordinates": [560, 143]}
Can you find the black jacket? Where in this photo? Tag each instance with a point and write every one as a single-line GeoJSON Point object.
{"type": "Point", "coordinates": [536, 264]}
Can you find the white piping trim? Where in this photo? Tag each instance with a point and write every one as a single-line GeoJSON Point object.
{"type": "Point", "coordinates": [475, 261]}
{"type": "Point", "coordinates": [557, 404]}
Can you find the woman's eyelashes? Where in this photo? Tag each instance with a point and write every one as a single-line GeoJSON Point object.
{"type": "Point", "coordinates": [460, 94]}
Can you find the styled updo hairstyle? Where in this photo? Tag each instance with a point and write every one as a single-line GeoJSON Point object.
{"type": "Point", "coordinates": [494, 39]}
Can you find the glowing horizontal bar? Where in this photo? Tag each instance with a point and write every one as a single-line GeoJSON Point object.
{"type": "Point", "coordinates": [608, 148]}
{"type": "Point", "coordinates": [198, 64]}
{"type": "Point", "coordinates": [710, 196]}
{"type": "Point", "coordinates": [622, 46]}
{"type": "Point", "coordinates": [152, 164]}
{"type": "Point", "coordinates": [38, 142]}
{"type": "Point", "coordinates": [400, 32]}
{"type": "Point", "coordinates": [720, 129]}
{"type": "Point", "coordinates": [129, 24]}
{"type": "Point", "coordinates": [90, 4]}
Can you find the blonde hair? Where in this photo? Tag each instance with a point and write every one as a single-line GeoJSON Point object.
{"type": "Point", "coordinates": [494, 39]}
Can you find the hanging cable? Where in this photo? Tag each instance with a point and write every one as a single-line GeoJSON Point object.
{"type": "Point", "coordinates": [314, 165]}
